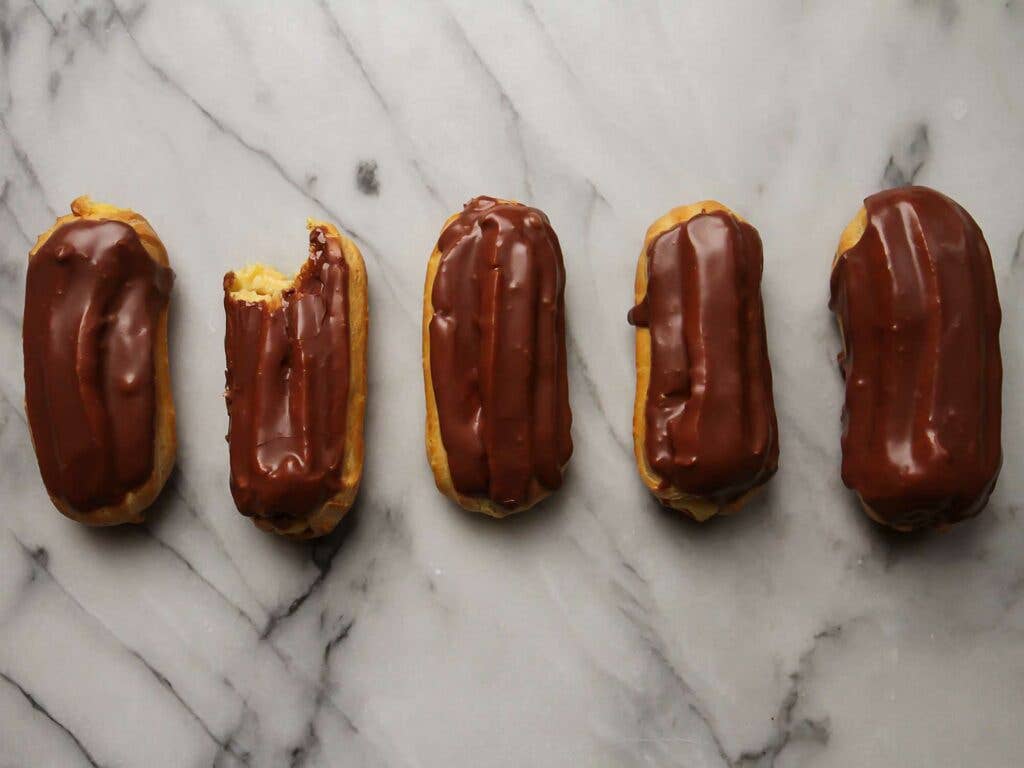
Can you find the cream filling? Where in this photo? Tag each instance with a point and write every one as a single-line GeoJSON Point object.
{"type": "Point", "coordinates": [259, 283]}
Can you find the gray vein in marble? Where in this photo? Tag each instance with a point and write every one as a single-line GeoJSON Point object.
{"type": "Point", "coordinates": [302, 752]}
{"type": "Point", "coordinates": [339, 33]}
{"type": "Point", "coordinates": [596, 196]}
{"type": "Point", "coordinates": [515, 119]}
{"type": "Point", "coordinates": [8, 28]}
{"type": "Point", "coordinates": [11, 407]}
{"type": "Point", "coordinates": [638, 608]}
{"type": "Point", "coordinates": [33, 575]}
{"type": "Point", "coordinates": [38, 707]}
{"type": "Point", "coordinates": [324, 697]}
{"type": "Point", "coordinates": [786, 730]}
{"type": "Point", "coordinates": [655, 646]}
{"type": "Point", "coordinates": [88, 18]}
{"type": "Point", "coordinates": [12, 316]}
{"type": "Point", "coordinates": [230, 749]}
{"type": "Point", "coordinates": [384, 270]}
{"type": "Point", "coordinates": [817, 731]}
{"type": "Point", "coordinates": [1013, 591]}
{"type": "Point", "coordinates": [588, 220]}
{"type": "Point", "coordinates": [793, 424]}
{"type": "Point", "coordinates": [545, 33]}
{"type": "Point", "coordinates": [184, 561]}
{"type": "Point", "coordinates": [46, 16]}
{"type": "Point", "coordinates": [40, 557]}
{"type": "Point", "coordinates": [222, 744]}
{"type": "Point", "coordinates": [175, 485]}
{"type": "Point", "coordinates": [280, 615]}
{"type": "Point", "coordinates": [323, 553]}
{"type": "Point", "coordinates": [55, 77]}
{"type": "Point", "coordinates": [580, 369]}
{"type": "Point", "coordinates": [26, 165]}
{"type": "Point", "coordinates": [905, 163]}
{"type": "Point", "coordinates": [41, 560]}
{"type": "Point", "coordinates": [580, 366]}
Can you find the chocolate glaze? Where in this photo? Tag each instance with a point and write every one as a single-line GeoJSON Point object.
{"type": "Point", "coordinates": [710, 415]}
{"type": "Point", "coordinates": [287, 392]}
{"type": "Point", "coordinates": [93, 299]}
{"type": "Point", "coordinates": [916, 300]}
{"type": "Point", "coordinates": [497, 351]}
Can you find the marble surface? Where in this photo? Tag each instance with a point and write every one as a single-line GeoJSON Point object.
{"type": "Point", "coordinates": [596, 630]}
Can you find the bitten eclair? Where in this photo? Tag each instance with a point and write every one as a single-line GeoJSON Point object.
{"type": "Point", "coordinates": [914, 294]}
{"type": "Point", "coordinates": [704, 427]}
{"type": "Point", "coordinates": [97, 379]}
{"type": "Point", "coordinates": [296, 387]}
{"type": "Point", "coordinates": [494, 364]}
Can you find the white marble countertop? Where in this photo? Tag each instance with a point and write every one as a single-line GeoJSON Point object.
{"type": "Point", "coordinates": [596, 630]}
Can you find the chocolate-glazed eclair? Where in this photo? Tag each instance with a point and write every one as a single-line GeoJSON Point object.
{"type": "Point", "coordinates": [494, 366]}
{"type": "Point", "coordinates": [914, 294]}
{"type": "Point", "coordinates": [296, 387]}
{"type": "Point", "coordinates": [97, 380]}
{"type": "Point", "coordinates": [704, 428]}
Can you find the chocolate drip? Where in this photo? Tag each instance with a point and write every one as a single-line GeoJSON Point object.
{"type": "Point", "coordinates": [710, 415]}
{"type": "Point", "coordinates": [93, 299]}
{"type": "Point", "coordinates": [916, 300]}
{"type": "Point", "coordinates": [497, 352]}
{"type": "Point", "coordinates": [287, 393]}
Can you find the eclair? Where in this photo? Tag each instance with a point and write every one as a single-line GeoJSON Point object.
{"type": "Point", "coordinates": [914, 295]}
{"type": "Point", "coordinates": [494, 362]}
{"type": "Point", "coordinates": [704, 426]}
{"type": "Point", "coordinates": [296, 387]}
{"type": "Point", "coordinates": [97, 379]}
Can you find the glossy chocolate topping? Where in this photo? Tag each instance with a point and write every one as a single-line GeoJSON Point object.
{"type": "Point", "coordinates": [710, 416]}
{"type": "Point", "coordinates": [916, 300]}
{"type": "Point", "coordinates": [497, 351]}
{"type": "Point", "coordinates": [93, 299]}
{"type": "Point", "coordinates": [287, 388]}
